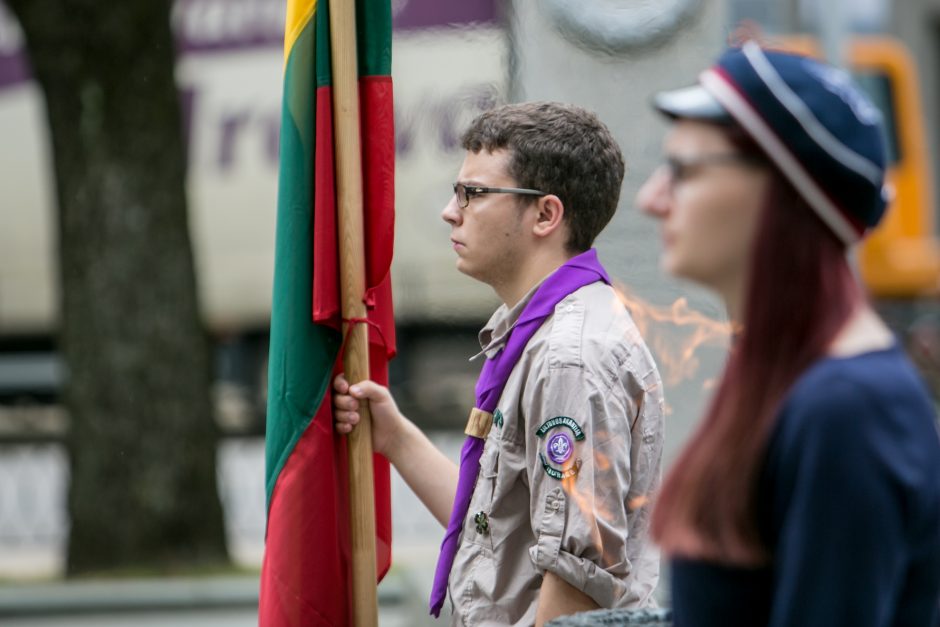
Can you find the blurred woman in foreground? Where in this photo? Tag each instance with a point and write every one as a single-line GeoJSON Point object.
{"type": "Point", "coordinates": [810, 493]}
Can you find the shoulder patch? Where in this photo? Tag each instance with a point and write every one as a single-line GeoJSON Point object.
{"type": "Point", "coordinates": [559, 448]}
{"type": "Point", "coordinates": [560, 473]}
{"type": "Point", "coordinates": [560, 421]}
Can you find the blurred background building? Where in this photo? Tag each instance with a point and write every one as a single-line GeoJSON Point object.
{"type": "Point", "coordinates": [452, 60]}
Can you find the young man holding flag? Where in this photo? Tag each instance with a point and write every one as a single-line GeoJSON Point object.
{"type": "Point", "coordinates": [547, 513]}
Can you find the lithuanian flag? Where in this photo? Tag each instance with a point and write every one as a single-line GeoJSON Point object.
{"type": "Point", "coordinates": [306, 574]}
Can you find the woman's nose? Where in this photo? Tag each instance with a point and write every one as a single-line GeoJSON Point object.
{"type": "Point", "coordinates": [654, 196]}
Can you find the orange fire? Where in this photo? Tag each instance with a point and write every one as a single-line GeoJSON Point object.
{"type": "Point", "coordinates": [586, 498]}
{"type": "Point", "coordinates": [591, 508]}
{"type": "Point", "coordinates": [674, 335]}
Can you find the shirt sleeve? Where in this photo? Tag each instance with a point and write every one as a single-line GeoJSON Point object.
{"type": "Point", "coordinates": [838, 509]}
{"type": "Point", "coordinates": [578, 456]}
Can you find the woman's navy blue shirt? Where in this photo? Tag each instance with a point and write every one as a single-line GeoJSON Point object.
{"type": "Point", "coordinates": [849, 500]}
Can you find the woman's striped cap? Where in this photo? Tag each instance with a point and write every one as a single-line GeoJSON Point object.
{"type": "Point", "coordinates": [810, 119]}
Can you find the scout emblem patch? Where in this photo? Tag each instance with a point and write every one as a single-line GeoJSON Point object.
{"type": "Point", "coordinates": [559, 447]}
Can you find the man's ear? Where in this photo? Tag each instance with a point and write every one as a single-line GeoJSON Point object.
{"type": "Point", "coordinates": [551, 212]}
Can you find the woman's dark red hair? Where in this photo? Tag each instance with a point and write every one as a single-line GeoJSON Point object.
{"type": "Point", "coordinates": [800, 292]}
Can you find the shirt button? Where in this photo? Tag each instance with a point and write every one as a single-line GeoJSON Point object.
{"type": "Point", "coordinates": [569, 308]}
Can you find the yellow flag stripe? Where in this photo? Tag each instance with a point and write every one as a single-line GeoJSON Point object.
{"type": "Point", "coordinates": [299, 14]}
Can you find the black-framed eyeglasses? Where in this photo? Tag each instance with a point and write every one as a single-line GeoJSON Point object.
{"type": "Point", "coordinates": [681, 169]}
{"type": "Point", "coordinates": [465, 192]}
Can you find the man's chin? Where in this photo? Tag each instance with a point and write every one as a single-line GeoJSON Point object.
{"type": "Point", "coordinates": [464, 268]}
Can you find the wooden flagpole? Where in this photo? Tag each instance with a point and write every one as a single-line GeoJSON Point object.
{"type": "Point", "coordinates": [348, 157]}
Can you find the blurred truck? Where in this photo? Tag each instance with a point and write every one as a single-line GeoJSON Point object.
{"type": "Point", "coordinates": [900, 261]}
{"type": "Point", "coordinates": [451, 61]}
{"type": "Point", "coordinates": [450, 65]}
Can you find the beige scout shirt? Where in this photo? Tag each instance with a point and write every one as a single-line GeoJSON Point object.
{"type": "Point", "coordinates": [567, 469]}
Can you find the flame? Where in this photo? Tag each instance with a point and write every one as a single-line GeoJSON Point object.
{"type": "Point", "coordinates": [675, 334]}
{"type": "Point", "coordinates": [592, 506]}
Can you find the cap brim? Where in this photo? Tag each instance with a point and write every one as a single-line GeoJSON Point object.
{"type": "Point", "coordinates": [690, 102]}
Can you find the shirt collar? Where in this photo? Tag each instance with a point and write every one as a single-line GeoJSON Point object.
{"type": "Point", "coordinates": [494, 335]}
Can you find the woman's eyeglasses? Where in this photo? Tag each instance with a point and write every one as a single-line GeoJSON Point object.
{"type": "Point", "coordinates": [681, 169]}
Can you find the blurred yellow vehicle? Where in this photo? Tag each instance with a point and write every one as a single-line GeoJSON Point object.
{"type": "Point", "coordinates": [901, 259]}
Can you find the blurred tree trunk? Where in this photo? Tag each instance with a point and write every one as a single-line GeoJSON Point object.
{"type": "Point", "coordinates": [142, 439]}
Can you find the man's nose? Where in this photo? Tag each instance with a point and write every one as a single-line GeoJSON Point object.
{"type": "Point", "coordinates": [654, 196]}
{"type": "Point", "coordinates": [451, 213]}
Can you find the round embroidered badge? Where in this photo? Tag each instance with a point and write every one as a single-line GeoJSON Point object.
{"type": "Point", "coordinates": [559, 448]}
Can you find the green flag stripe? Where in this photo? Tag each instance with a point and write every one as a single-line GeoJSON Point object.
{"type": "Point", "coordinates": [324, 58]}
{"type": "Point", "coordinates": [373, 35]}
{"type": "Point", "coordinates": [302, 353]}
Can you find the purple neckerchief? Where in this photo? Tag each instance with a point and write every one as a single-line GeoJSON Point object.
{"type": "Point", "coordinates": [574, 274]}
